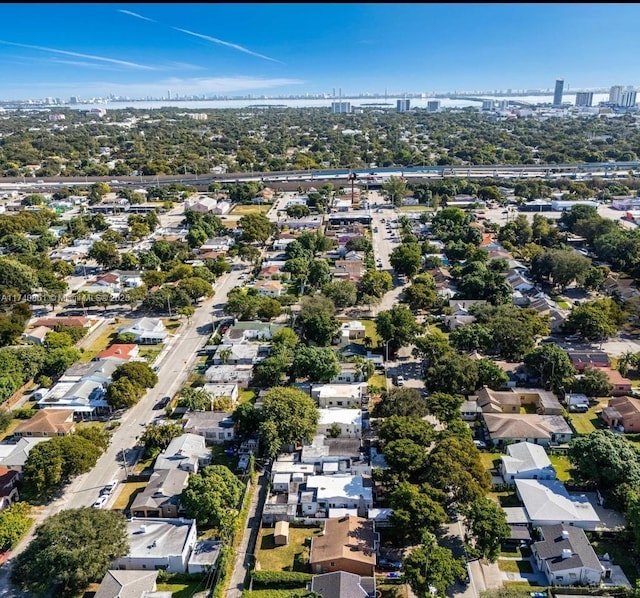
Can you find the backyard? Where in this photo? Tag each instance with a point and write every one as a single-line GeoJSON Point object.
{"type": "Point", "coordinates": [291, 557]}
{"type": "Point", "coordinates": [585, 423]}
{"type": "Point", "coordinates": [103, 340]}
{"type": "Point", "coordinates": [242, 210]}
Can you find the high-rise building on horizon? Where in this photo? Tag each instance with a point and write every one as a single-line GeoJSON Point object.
{"type": "Point", "coordinates": [403, 105]}
{"type": "Point", "coordinates": [628, 99]}
{"type": "Point", "coordinates": [584, 98]}
{"type": "Point", "coordinates": [433, 106]}
{"type": "Point", "coordinates": [614, 94]}
{"type": "Point", "coordinates": [340, 107]}
{"type": "Point", "coordinates": [557, 94]}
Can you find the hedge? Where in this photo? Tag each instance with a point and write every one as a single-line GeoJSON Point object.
{"type": "Point", "coordinates": [280, 579]}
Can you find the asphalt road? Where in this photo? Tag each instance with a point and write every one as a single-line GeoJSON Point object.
{"type": "Point", "coordinates": [175, 363]}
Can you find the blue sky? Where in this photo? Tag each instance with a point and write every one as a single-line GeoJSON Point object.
{"type": "Point", "coordinates": [145, 49]}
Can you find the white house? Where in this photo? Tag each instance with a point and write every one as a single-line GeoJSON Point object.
{"type": "Point", "coordinates": [269, 288]}
{"type": "Point", "coordinates": [337, 492]}
{"type": "Point", "coordinates": [146, 331]}
{"type": "Point", "coordinates": [250, 331]}
{"type": "Point", "coordinates": [186, 452]}
{"type": "Point", "coordinates": [547, 502]}
{"type": "Point", "coordinates": [353, 330]}
{"type": "Point", "coordinates": [348, 421]}
{"type": "Point", "coordinates": [157, 543]}
{"type": "Point", "coordinates": [216, 427]}
{"type": "Point", "coordinates": [339, 395]}
{"type": "Point", "coordinates": [566, 557]}
{"type": "Point", "coordinates": [526, 460]}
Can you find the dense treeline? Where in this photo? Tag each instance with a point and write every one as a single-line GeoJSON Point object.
{"type": "Point", "coordinates": [166, 141]}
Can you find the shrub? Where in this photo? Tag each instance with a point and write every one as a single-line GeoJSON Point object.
{"type": "Point", "coordinates": [280, 579]}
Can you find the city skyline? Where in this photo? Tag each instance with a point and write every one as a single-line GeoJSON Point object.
{"type": "Point", "coordinates": [148, 50]}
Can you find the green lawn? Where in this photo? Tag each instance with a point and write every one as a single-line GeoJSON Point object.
{"type": "Point", "coordinates": [418, 208]}
{"type": "Point", "coordinates": [291, 557]}
{"type": "Point", "coordinates": [490, 460]}
{"type": "Point", "coordinates": [149, 353]}
{"type": "Point", "coordinates": [245, 396]}
{"type": "Point", "coordinates": [182, 590]}
{"type": "Point", "coordinates": [562, 465]}
{"type": "Point", "coordinates": [515, 566]}
{"type": "Point", "coordinates": [103, 340]}
{"type": "Point", "coordinates": [619, 552]}
{"type": "Point", "coordinates": [505, 499]}
{"type": "Point", "coordinates": [219, 457]}
{"type": "Point", "coordinates": [585, 423]}
{"type": "Point", "coordinates": [275, 593]}
{"type": "Point", "coordinates": [371, 332]}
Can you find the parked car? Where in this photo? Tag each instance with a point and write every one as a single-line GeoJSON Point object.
{"type": "Point", "coordinates": [101, 502]}
{"type": "Point", "coordinates": [162, 403]}
{"type": "Point", "coordinates": [109, 488]}
{"type": "Point", "coordinates": [481, 444]}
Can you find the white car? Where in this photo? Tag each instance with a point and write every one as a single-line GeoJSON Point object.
{"type": "Point", "coordinates": [480, 444]}
{"type": "Point", "coordinates": [101, 502]}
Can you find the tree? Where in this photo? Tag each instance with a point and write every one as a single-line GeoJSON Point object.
{"type": "Point", "coordinates": [136, 371]}
{"type": "Point", "coordinates": [445, 407]}
{"type": "Point", "coordinates": [395, 190]}
{"type": "Point", "coordinates": [255, 228]}
{"type": "Point", "coordinates": [421, 295]}
{"type": "Point", "coordinates": [319, 273]}
{"type": "Point", "coordinates": [432, 346]}
{"type": "Point", "coordinates": [123, 393]}
{"type": "Point", "coordinates": [71, 549]}
{"type": "Point", "coordinates": [416, 511]}
{"type": "Point", "coordinates": [375, 283]}
{"type": "Point", "coordinates": [212, 496]}
{"type": "Point", "coordinates": [15, 522]}
{"type": "Point", "coordinates": [401, 427]}
{"type": "Point", "coordinates": [432, 566]}
{"type": "Point", "coordinates": [406, 259]}
{"type": "Point", "coordinates": [247, 419]}
{"type": "Point", "coordinates": [491, 374]}
{"type": "Point", "coordinates": [105, 253]}
{"type": "Point", "coordinates": [452, 373]}
{"type": "Point", "coordinates": [95, 434]}
{"type": "Point", "coordinates": [343, 293]}
{"type": "Point", "coordinates": [406, 458]}
{"type": "Point", "coordinates": [403, 401]}
{"type": "Point", "coordinates": [397, 326]}
{"type": "Point", "coordinates": [289, 416]}
{"type": "Point", "coordinates": [317, 319]}
{"type": "Point", "coordinates": [594, 383]}
{"type": "Point", "coordinates": [471, 337]}
{"type": "Point", "coordinates": [157, 438]}
{"type": "Point", "coordinates": [195, 399]}
{"type": "Point", "coordinates": [552, 364]}
{"type": "Point", "coordinates": [606, 459]}
{"type": "Point", "coordinates": [487, 523]}
{"type": "Point", "coordinates": [318, 364]}
{"type": "Point", "coordinates": [187, 311]}
{"type": "Point", "coordinates": [560, 266]}
{"type": "Point", "coordinates": [196, 287]}
{"type": "Point", "coordinates": [595, 320]}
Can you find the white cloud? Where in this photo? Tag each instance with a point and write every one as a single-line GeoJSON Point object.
{"type": "Point", "coordinates": [79, 55]}
{"type": "Point", "coordinates": [215, 40]}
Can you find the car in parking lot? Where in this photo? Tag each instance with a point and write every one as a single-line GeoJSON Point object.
{"type": "Point", "coordinates": [101, 501]}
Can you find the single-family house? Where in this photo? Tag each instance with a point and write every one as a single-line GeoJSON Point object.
{"type": "Point", "coordinates": [510, 401]}
{"type": "Point", "coordinates": [353, 330]}
{"type": "Point", "coordinates": [53, 322]}
{"type": "Point", "coordinates": [36, 335]}
{"type": "Point", "coordinates": [547, 502]}
{"type": "Point", "coordinates": [217, 391]}
{"type": "Point", "coordinates": [339, 395]}
{"type": "Point", "coordinates": [158, 543]}
{"type": "Point", "coordinates": [128, 584]}
{"type": "Point", "coordinates": [339, 422]}
{"type": "Point", "coordinates": [621, 384]}
{"type": "Point", "coordinates": [341, 584]}
{"type": "Point", "coordinates": [507, 428]}
{"type": "Point", "coordinates": [146, 331]}
{"type": "Point", "coordinates": [240, 354]}
{"type": "Point", "coordinates": [348, 544]}
{"type": "Point", "coordinates": [250, 331]}
{"type": "Point", "coordinates": [566, 557]}
{"type": "Point", "coordinates": [14, 456]}
{"type": "Point", "coordinates": [622, 411]}
{"type": "Point", "coordinates": [187, 452]}
{"type": "Point", "coordinates": [161, 497]}
{"type": "Point", "coordinates": [47, 423]}
{"type": "Point", "coordinates": [269, 288]}
{"type": "Point", "coordinates": [230, 374]}
{"type": "Point", "coordinates": [526, 460]}
{"type": "Point", "coordinates": [216, 427]}
{"type": "Point", "coordinates": [350, 373]}
{"type": "Point", "coordinates": [595, 359]}
{"type": "Point", "coordinates": [338, 491]}
{"type": "Point", "coordinates": [124, 351]}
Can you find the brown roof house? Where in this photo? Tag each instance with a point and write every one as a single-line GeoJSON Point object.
{"type": "Point", "coordinates": [623, 411]}
{"type": "Point", "coordinates": [348, 544]}
{"type": "Point", "coordinates": [161, 497]}
{"type": "Point", "coordinates": [8, 490]}
{"type": "Point", "coordinates": [505, 428]}
{"type": "Point", "coordinates": [48, 422]}
{"type": "Point", "coordinates": [510, 401]}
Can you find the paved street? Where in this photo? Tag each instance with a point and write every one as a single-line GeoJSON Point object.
{"type": "Point", "coordinates": [176, 362]}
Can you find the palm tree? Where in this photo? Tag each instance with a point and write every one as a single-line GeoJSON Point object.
{"type": "Point", "coordinates": [225, 354]}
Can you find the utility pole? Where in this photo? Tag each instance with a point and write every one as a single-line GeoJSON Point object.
{"type": "Point", "coordinates": [124, 462]}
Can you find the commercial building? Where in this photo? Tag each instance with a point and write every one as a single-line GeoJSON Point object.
{"type": "Point", "coordinates": [340, 107]}
{"type": "Point", "coordinates": [557, 94]}
{"type": "Point", "coordinates": [433, 106]}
